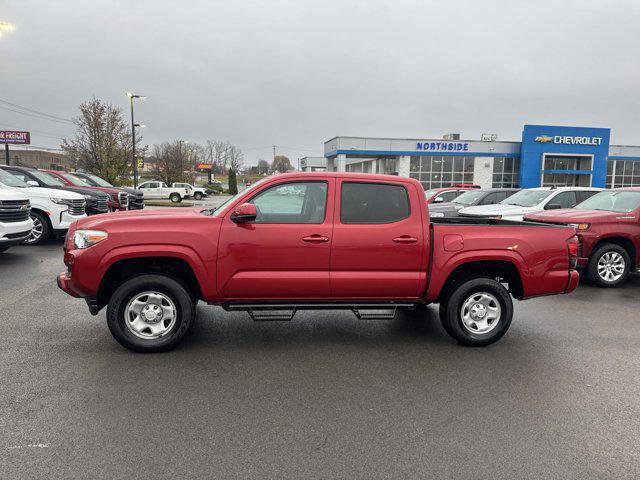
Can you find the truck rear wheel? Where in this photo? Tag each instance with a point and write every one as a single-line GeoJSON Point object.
{"type": "Point", "coordinates": [197, 196]}
{"type": "Point", "coordinates": [609, 265]}
{"type": "Point", "coordinates": [150, 313]}
{"type": "Point", "coordinates": [175, 198]}
{"type": "Point", "coordinates": [478, 312]}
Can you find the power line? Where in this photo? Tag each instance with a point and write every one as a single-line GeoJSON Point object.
{"type": "Point", "coordinates": [35, 116]}
{"type": "Point", "coordinates": [40, 132]}
{"type": "Point", "coordinates": [55, 117]}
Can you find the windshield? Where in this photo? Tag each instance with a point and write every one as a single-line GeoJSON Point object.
{"type": "Point", "coordinates": [469, 198]}
{"type": "Point", "coordinates": [10, 180]}
{"type": "Point", "coordinates": [526, 198]}
{"type": "Point", "coordinates": [231, 200]}
{"type": "Point", "coordinates": [77, 181]}
{"type": "Point", "coordinates": [47, 179]}
{"type": "Point", "coordinates": [612, 201]}
{"type": "Point", "coordinates": [94, 180]}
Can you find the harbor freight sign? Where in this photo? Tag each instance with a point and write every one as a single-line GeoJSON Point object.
{"type": "Point", "coordinates": [15, 137]}
{"type": "Point", "coordinates": [443, 146]}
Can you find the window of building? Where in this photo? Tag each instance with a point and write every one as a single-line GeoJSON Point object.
{"type": "Point", "coordinates": [623, 173]}
{"type": "Point", "coordinates": [437, 171]}
{"type": "Point", "coordinates": [295, 202]}
{"type": "Point", "coordinates": [506, 172]}
{"type": "Point", "coordinates": [373, 203]}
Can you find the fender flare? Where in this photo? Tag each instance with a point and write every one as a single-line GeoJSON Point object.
{"type": "Point", "coordinates": [188, 254]}
{"type": "Point", "coordinates": [444, 272]}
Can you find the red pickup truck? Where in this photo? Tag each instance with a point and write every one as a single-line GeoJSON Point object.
{"type": "Point", "coordinates": [608, 228]}
{"type": "Point", "coordinates": [311, 241]}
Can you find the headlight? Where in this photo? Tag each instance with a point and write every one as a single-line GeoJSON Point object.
{"type": "Point", "coordinates": [580, 226]}
{"type": "Point", "coordinates": [86, 238]}
{"type": "Point", "coordinates": [60, 201]}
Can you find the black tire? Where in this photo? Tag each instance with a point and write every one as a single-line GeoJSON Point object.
{"type": "Point", "coordinates": [197, 196]}
{"type": "Point", "coordinates": [452, 318]}
{"type": "Point", "coordinates": [592, 269]}
{"type": "Point", "coordinates": [179, 296]}
{"type": "Point", "coordinates": [175, 198]}
{"type": "Point", "coordinates": [41, 222]}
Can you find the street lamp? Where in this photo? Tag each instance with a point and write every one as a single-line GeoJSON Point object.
{"type": "Point", "coordinates": [133, 137]}
{"type": "Point", "coordinates": [6, 27]}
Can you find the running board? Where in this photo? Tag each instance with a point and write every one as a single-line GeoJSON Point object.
{"type": "Point", "coordinates": [286, 312]}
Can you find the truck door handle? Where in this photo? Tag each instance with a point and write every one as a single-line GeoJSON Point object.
{"type": "Point", "coordinates": [315, 238]}
{"type": "Point", "coordinates": [405, 239]}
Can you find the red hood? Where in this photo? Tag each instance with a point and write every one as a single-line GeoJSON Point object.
{"type": "Point", "coordinates": [146, 215]}
{"type": "Point", "coordinates": [575, 215]}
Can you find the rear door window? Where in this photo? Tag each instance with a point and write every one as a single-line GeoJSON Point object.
{"type": "Point", "coordinates": [373, 203]}
{"type": "Point", "coordinates": [564, 199]}
{"type": "Point", "coordinates": [449, 196]}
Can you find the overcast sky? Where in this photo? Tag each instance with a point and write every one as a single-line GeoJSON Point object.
{"type": "Point", "coordinates": [295, 73]}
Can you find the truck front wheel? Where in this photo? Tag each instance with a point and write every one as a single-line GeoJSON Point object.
{"type": "Point", "coordinates": [150, 313]}
{"type": "Point", "coordinates": [609, 265]}
{"type": "Point", "coordinates": [478, 312]}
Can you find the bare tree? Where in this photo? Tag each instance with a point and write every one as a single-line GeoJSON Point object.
{"type": "Point", "coordinates": [223, 155]}
{"type": "Point", "coordinates": [102, 142]}
{"type": "Point", "coordinates": [235, 157]}
{"type": "Point", "coordinates": [281, 164]}
{"type": "Point", "coordinates": [173, 162]}
{"type": "Point", "coordinates": [263, 167]}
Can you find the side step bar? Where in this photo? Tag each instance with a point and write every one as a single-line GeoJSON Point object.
{"type": "Point", "coordinates": [286, 312]}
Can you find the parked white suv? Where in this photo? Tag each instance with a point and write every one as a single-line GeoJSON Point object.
{"type": "Point", "coordinates": [531, 200]}
{"type": "Point", "coordinates": [52, 211]}
{"type": "Point", "coordinates": [155, 189]}
{"type": "Point", "coordinates": [15, 223]}
{"type": "Point", "coordinates": [196, 192]}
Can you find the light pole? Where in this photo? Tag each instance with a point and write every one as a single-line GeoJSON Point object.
{"type": "Point", "coordinates": [133, 138]}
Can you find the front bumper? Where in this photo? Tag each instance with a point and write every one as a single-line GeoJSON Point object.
{"type": "Point", "coordinates": [66, 285]}
{"type": "Point", "coordinates": [13, 233]}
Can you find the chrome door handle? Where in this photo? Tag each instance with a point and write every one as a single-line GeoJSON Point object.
{"type": "Point", "coordinates": [405, 239]}
{"type": "Point", "coordinates": [315, 238]}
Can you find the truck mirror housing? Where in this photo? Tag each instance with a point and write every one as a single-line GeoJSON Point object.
{"type": "Point", "coordinates": [552, 206]}
{"type": "Point", "coordinates": [244, 213]}
{"type": "Point", "coordinates": [33, 183]}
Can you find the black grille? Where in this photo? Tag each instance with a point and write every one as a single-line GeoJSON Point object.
{"type": "Point", "coordinates": [123, 199]}
{"type": "Point", "coordinates": [15, 236]}
{"type": "Point", "coordinates": [136, 202]}
{"type": "Point", "coordinates": [77, 207]}
{"type": "Point", "coordinates": [14, 210]}
{"type": "Point", "coordinates": [101, 204]}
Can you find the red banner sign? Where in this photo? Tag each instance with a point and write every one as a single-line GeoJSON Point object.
{"type": "Point", "coordinates": [204, 166]}
{"type": "Point", "coordinates": [12, 136]}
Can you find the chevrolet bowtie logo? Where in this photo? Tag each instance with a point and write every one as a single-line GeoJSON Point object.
{"type": "Point", "coordinates": [543, 139]}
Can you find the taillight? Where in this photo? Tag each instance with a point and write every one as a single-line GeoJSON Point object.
{"type": "Point", "coordinates": [573, 248]}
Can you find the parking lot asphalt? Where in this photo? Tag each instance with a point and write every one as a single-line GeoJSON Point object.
{"type": "Point", "coordinates": [323, 396]}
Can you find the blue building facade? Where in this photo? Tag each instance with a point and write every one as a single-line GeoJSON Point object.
{"type": "Point", "coordinates": [546, 155]}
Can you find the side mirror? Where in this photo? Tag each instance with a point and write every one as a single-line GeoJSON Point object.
{"type": "Point", "coordinates": [552, 206]}
{"type": "Point", "coordinates": [244, 213]}
{"type": "Point", "coordinates": [438, 200]}
{"type": "Point", "coordinates": [33, 183]}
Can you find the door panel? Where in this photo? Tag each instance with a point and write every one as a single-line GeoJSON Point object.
{"type": "Point", "coordinates": [377, 260]}
{"type": "Point", "coordinates": [275, 258]}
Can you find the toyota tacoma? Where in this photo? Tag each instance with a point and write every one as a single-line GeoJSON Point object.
{"type": "Point", "coordinates": [319, 240]}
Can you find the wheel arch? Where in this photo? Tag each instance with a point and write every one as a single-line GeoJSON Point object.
{"type": "Point", "coordinates": [623, 242]}
{"type": "Point", "coordinates": [504, 271]}
{"type": "Point", "coordinates": [125, 269]}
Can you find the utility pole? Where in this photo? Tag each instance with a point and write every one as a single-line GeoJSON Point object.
{"type": "Point", "coordinates": [274, 153]}
{"type": "Point", "coordinates": [133, 139]}
{"type": "Point", "coordinates": [7, 160]}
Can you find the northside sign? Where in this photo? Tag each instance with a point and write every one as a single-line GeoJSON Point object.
{"type": "Point", "coordinates": [569, 140]}
{"type": "Point", "coordinates": [15, 137]}
{"type": "Point", "coordinates": [442, 146]}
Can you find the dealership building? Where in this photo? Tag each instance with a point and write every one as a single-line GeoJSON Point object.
{"type": "Point", "coordinates": [546, 156]}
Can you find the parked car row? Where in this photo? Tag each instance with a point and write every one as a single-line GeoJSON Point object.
{"type": "Point", "coordinates": [607, 222]}
{"type": "Point", "coordinates": [37, 204]}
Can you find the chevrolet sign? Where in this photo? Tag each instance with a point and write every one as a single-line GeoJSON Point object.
{"type": "Point", "coordinates": [569, 140]}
